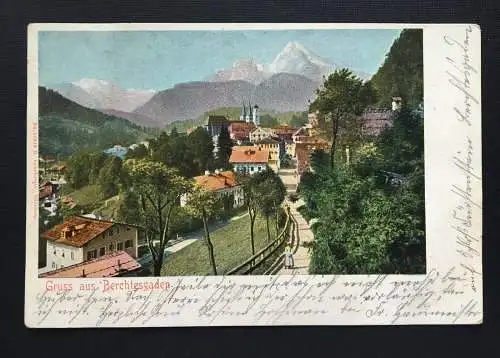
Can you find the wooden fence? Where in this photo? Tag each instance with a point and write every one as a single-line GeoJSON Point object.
{"type": "Point", "coordinates": [294, 242]}
{"type": "Point", "coordinates": [260, 257]}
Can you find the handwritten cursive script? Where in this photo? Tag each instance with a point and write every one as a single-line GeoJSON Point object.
{"type": "Point", "coordinates": [461, 77]}
{"type": "Point", "coordinates": [271, 301]}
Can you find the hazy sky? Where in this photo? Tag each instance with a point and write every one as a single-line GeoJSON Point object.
{"type": "Point", "coordinates": [159, 59]}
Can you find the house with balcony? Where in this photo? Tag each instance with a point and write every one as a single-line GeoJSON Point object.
{"type": "Point", "coordinates": [249, 159]}
{"type": "Point", "coordinates": [79, 239]}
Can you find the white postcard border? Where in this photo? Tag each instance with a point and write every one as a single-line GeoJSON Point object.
{"type": "Point", "coordinates": [450, 292]}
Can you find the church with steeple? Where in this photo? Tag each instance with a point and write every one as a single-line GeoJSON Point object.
{"type": "Point", "coordinates": [250, 114]}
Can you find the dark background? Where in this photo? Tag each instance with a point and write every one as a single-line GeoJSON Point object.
{"type": "Point", "coordinates": [258, 342]}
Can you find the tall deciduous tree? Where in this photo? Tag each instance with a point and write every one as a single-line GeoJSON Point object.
{"type": "Point", "coordinates": [269, 192]}
{"type": "Point", "coordinates": [342, 97]}
{"type": "Point", "coordinates": [204, 204]}
{"type": "Point", "coordinates": [250, 200]}
{"type": "Point", "coordinates": [158, 189]}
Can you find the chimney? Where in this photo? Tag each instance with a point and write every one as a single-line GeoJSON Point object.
{"type": "Point", "coordinates": [83, 273]}
{"type": "Point", "coordinates": [207, 172]}
{"type": "Point", "coordinates": [119, 265]}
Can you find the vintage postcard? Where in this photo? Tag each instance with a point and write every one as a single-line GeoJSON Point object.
{"type": "Point", "coordinates": [253, 174]}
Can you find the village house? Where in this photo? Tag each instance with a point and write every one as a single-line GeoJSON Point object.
{"type": "Point", "coordinates": [239, 131]}
{"type": "Point", "coordinates": [300, 134]}
{"type": "Point", "coordinates": [114, 264]}
{"type": "Point", "coordinates": [47, 190]}
{"type": "Point", "coordinates": [283, 132]}
{"type": "Point", "coordinates": [276, 151]}
{"type": "Point", "coordinates": [80, 239]}
{"type": "Point", "coordinates": [222, 183]}
{"type": "Point", "coordinates": [260, 133]}
{"type": "Point", "coordinates": [305, 148]}
{"type": "Point", "coordinates": [249, 159]}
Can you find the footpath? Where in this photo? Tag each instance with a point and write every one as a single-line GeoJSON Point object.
{"type": "Point", "coordinates": [301, 257]}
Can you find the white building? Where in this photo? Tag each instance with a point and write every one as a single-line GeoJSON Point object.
{"type": "Point", "coordinates": [80, 239]}
{"type": "Point", "coordinates": [249, 159]}
{"type": "Point", "coordinates": [260, 133]}
{"type": "Point", "coordinates": [221, 183]}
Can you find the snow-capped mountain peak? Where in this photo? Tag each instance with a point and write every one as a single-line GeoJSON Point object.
{"type": "Point", "coordinates": [91, 84]}
{"type": "Point", "coordinates": [296, 59]}
{"type": "Point", "coordinates": [101, 94]}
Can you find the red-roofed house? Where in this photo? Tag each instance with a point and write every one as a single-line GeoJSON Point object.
{"type": "Point", "coordinates": [80, 239]}
{"type": "Point", "coordinates": [221, 183]}
{"type": "Point", "coordinates": [303, 153]}
{"type": "Point", "coordinates": [115, 264]}
{"type": "Point", "coordinates": [249, 159]}
{"type": "Point", "coordinates": [240, 130]}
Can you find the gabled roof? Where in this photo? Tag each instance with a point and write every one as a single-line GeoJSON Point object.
{"type": "Point", "coordinates": [241, 126]}
{"type": "Point", "coordinates": [262, 129]}
{"type": "Point", "coordinates": [113, 264]}
{"type": "Point", "coordinates": [249, 154]}
{"type": "Point", "coordinates": [213, 181]}
{"type": "Point", "coordinates": [301, 131]}
{"type": "Point", "coordinates": [79, 230]}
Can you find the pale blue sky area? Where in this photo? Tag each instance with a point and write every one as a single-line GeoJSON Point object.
{"type": "Point", "coordinates": [159, 59]}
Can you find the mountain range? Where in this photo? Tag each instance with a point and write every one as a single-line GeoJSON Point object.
{"type": "Point", "coordinates": [288, 83]}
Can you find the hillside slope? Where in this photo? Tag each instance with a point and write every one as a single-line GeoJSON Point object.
{"type": "Point", "coordinates": [282, 92]}
{"type": "Point", "coordinates": [66, 127]}
{"type": "Point", "coordinates": [401, 74]}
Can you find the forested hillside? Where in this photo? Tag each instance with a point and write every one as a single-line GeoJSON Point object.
{"type": "Point", "coordinates": [66, 127]}
{"type": "Point", "coordinates": [401, 74]}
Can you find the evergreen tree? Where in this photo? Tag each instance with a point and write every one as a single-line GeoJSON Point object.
{"type": "Point", "coordinates": [201, 147]}
{"type": "Point", "coordinates": [224, 149]}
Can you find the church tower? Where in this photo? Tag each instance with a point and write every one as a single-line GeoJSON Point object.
{"type": "Point", "coordinates": [248, 114]}
{"type": "Point", "coordinates": [256, 115]}
{"type": "Point", "coordinates": [243, 113]}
